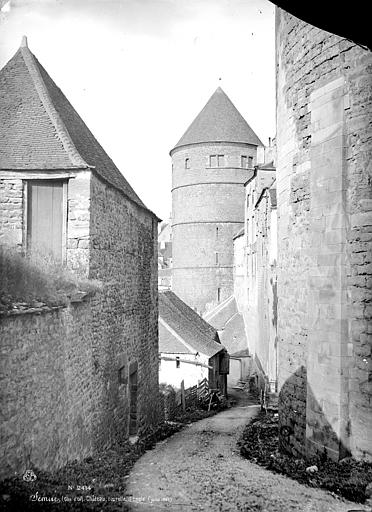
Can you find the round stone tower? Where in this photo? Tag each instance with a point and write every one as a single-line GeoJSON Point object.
{"type": "Point", "coordinates": [210, 164]}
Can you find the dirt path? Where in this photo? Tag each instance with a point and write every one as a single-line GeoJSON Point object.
{"type": "Point", "coordinates": [200, 469]}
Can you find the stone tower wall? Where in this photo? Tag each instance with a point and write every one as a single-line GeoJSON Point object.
{"type": "Point", "coordinates": [208, 209]}
{"type": "Point", "coordinates": [324, 140]}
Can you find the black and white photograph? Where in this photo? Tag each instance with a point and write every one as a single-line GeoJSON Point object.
{"type": "Point", "coordinates": [185, 256]}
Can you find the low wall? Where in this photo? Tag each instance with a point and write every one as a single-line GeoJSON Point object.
{"type": "Point", "coordinates": [65, 383]}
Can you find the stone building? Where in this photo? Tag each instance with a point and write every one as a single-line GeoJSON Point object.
{"type": "Point", "coordinates": [78, 377]}
{"type": "Point", "coordinates": [210, 163]}
{"type": "Point", "coordinates": [259, 295]}
{"type": "Point", "coordinates": [324, 176]}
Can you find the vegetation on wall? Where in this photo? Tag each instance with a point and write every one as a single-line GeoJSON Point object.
{"type": "Point", "coordinates": [38, 280]}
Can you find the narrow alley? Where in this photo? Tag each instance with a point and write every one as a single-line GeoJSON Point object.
{"type": "Point", "coordinates": [200, 469]}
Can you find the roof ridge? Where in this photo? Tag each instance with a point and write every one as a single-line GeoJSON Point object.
{"type": "Point", "coordinates": [41, 89]}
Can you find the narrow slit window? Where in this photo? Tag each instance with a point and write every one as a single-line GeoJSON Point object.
{"type": "Point", "coordinates": [187, 163]}
{"type": "Point", "coordinates": [218, 294]}
{"type": "Point", "coordinates": [178, 362]}
{"type": "Point", "coordinates": [216, 257]}
{"type": "Point", "coordinates": [250, 162]}
{"type": "Point", "coordinates": [244, 161]}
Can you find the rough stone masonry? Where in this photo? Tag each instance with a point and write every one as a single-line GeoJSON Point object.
{"type": "Point", "coordinates": [324, 178]}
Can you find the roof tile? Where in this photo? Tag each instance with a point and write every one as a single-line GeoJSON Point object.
{"type": "Point", "coordinates": [219, 121]}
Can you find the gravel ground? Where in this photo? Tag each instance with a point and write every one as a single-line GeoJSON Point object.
{"type": "Point", "coordinates": [200, 469]}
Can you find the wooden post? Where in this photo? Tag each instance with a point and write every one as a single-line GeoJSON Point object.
{"type": "Point", "coordinates": [183, 401]}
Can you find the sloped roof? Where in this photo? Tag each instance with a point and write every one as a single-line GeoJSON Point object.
{"type": "Point", "coordinates": [269, 166]}
{"type": "Point", "coordinates": [239, 233]}
{"type": "Point", "coordinates": [169, 344]}
{"type": "Point", "coordinates": [40, 129]}
{"type": "Point", "coordinates": [230, 324]}
{"type": "Point", "coordinates": [187, 324]}
{"type": "Point", "coordinates": [219, 121]}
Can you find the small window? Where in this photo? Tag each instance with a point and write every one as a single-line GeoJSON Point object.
{"type": "Point", "coordinates": [178, 362]}
{"type": "Point", "coordinates": [250, 162]}
{"type": "Point", "coordinates": [187, 163]}
{"type": "Point", "coordinates": [216, 257]}
{"type": "Point", "coordinates": [217, 233]}
{"type": "Point", "coordinates": [244, 161]}
{"type": "Point", "coordinates": [218, 294]}
{"type": "Point", "coordinates": [217, 161]}
{"type": "Point", "coordinates": [213, 161]}
{"type": "Point", "coordinates": [221, 160]}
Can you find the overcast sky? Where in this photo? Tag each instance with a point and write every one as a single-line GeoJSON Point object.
{"type": "Point", "coordinates": [139, 71]}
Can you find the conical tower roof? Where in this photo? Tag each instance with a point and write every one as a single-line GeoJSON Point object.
{"type": "Point", "coordinates": [40, 129]}
{"type": "Point", "coordinates": [219, 121]}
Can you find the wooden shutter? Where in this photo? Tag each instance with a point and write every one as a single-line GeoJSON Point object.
{"type": "Point", "coordinates": [45, 217]}
{"type": "Point", "coordinates": [224, 363]}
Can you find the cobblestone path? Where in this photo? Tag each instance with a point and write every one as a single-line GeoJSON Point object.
{"type": "Point", "coordinates": [200, 469]}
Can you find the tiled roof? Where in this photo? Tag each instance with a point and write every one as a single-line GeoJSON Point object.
{"type": "Point", "coordinates": [269, 166]}
{"type": "Point", "coordinates": [169, 344]}
{"type": "Point", "coordinates": [40, 129]}
{"type": "Point", "coordinates": [219, 121]}
{"type": "Point", "coordinates": [187, 324]}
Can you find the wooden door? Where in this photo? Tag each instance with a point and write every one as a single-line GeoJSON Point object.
{"type": "Point", "coordinates": [45, 218]}
{"type": "Point", "coordinates": [133, 403]}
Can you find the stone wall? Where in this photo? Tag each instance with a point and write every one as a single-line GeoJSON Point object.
{"type": "Point", "coordinates": [11, 212]}
{"type": "Point", "coordinates": [50, 388]}
{"type": "Point", "coordinates": [207, 213]}
{"type": "Point", "coordinates": [66, 373]}
{"type": "Point", "coordinates": [324, 181]}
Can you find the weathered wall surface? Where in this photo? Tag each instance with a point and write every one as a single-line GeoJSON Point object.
{"type": "Point", "coordinates": [66, 374]}
{"type": "Point", "coordinates": [207, 213]}
{"type": "Point", "coordinates": [259, 309]}
{"type": "Point", "coordinates": [191, 374]}
{"type": "Point", "coordinates": [11, 208]}
{"type": "Point", "coordinates": [324, 237]}
{"type": "Point", "coordinates": [123, 254]}
{"type": "Point", "coordinates": [50, 389]}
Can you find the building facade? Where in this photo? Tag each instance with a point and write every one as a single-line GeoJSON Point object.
{"type": "Point", "coordinates": [259, 295]}
{"type": "Point", "coordinates": [81, 375]}
{"type": "Point", "coordinates": [210, 165]}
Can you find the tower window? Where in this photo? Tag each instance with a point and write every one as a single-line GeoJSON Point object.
{"type": "Point", "coordinates": [217, 161]}
{"type": "Point", "coordinates": [187, 163]}
{"type": "Point", "coordinates": [244, 161]}
{"type": "Point", "coordinates": [213, 161]}
{"type": "Point", "coordinates": [221, 160]}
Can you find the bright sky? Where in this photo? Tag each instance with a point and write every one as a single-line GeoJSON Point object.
{"type": "Point", "coordinates": [139, 71]}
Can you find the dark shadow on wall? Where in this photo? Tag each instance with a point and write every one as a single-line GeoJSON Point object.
{"type": "Point", "coordinates": [295, 397]}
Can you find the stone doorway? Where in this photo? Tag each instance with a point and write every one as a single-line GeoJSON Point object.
{"type": "Point", "coordinates": [133, 383]}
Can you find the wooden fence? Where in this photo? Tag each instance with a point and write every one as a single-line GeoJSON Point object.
{"type": "Point", "coordinates": [174, 402]}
